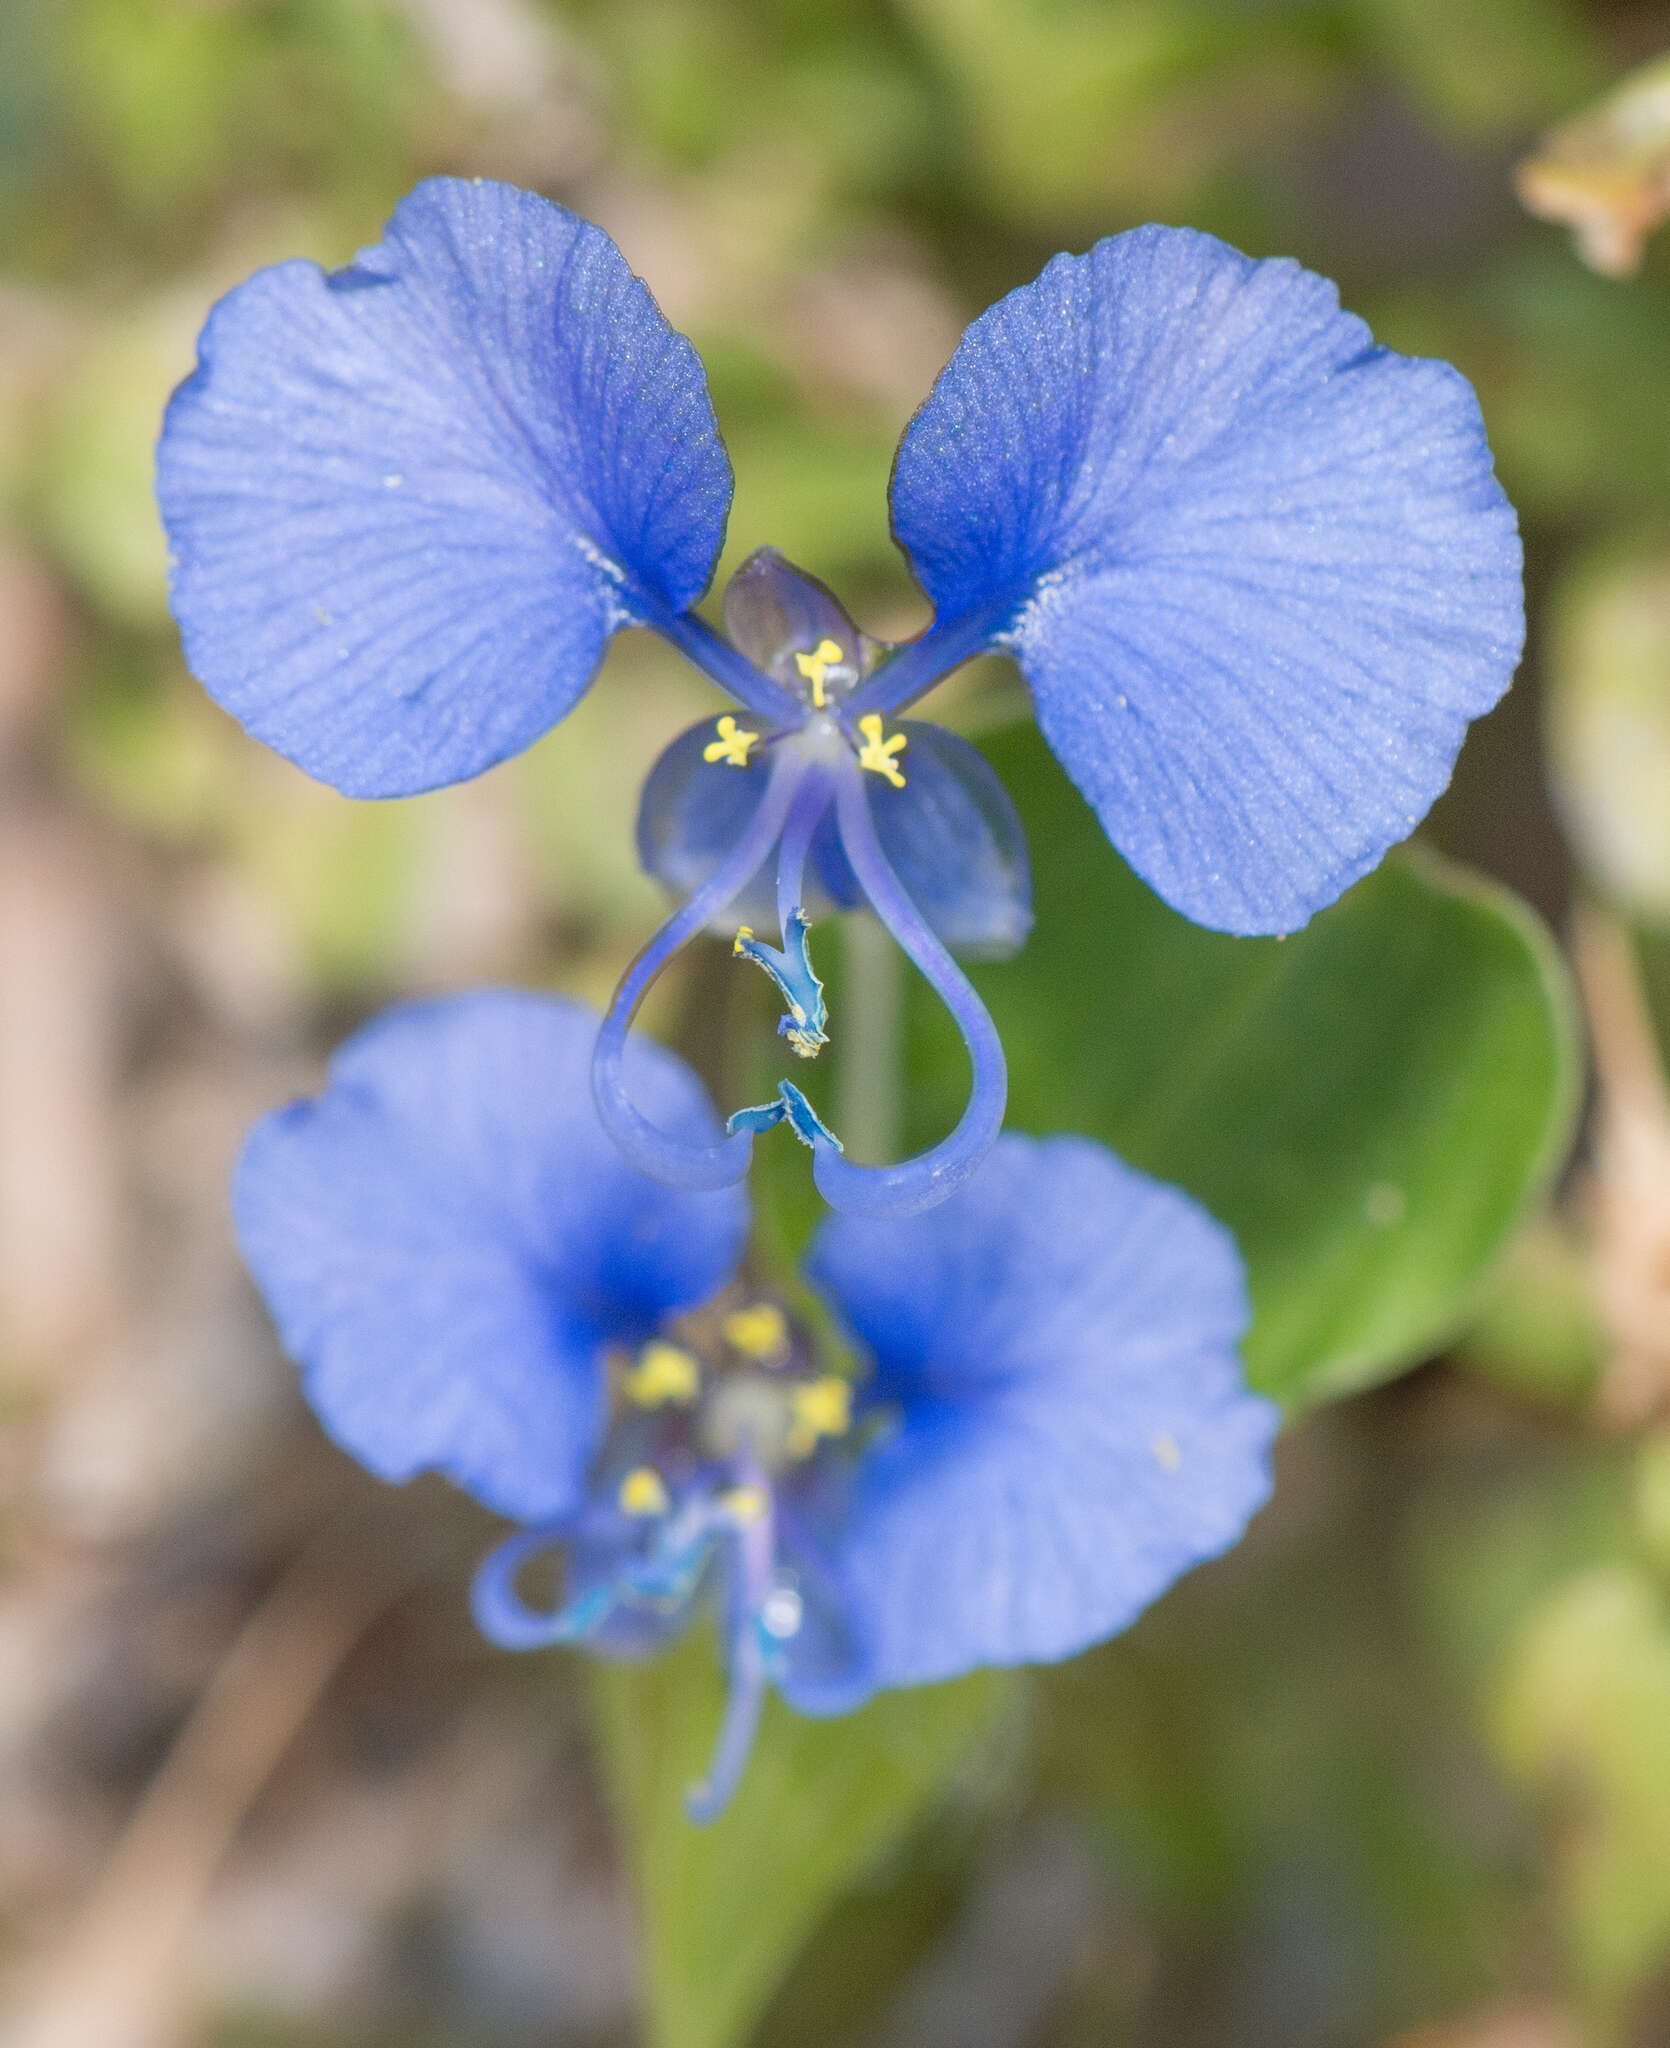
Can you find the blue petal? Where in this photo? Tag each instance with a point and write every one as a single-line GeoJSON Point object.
{"type": "Point", "coordinates": [1258, 572]}
{"type": "Point", "coordinates": [951, 834]}
{"type": "Point", "coordinates": [693, 811]}
{"type": "Point", "coordinates": [1074, 1432]}
{"type": "Point", "coordinates": [447, 1239]}
{"type": "Point", "coordinates": [956, 843]}
{"type": "Point", "coordinates": [408, 503]}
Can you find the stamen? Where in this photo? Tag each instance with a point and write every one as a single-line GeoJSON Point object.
{"type": "Point", "coordinates": [803, 1022]}
{"type": "Point", "coordinates": [913, 1184]}
{"type": "Point", "coordinates": [792, 1108]}
{"type": "Point", "coordinates": [876, 754]}
{"type": "Point", "coordinates": [505, 1618]}
{"type": "Point", "coordinates": [643, 1492]}
{"type": "Point", "coordinates": [822, 1408]}
{"type": "Point", "coordinates": [663, 1373]}
{"type": "Point", "coordinates": [754, 1554]}
{"type": "Point", "coordinates": [815, 666]}
{"type": "Point", "coordinates": [675, 1161]}
{"type": "Point", "coordinates": [760, 1331]}
{"type": "Point", "coordinates": [745, 1505]}
{"type": "Point", "coordinates": [733, 744]}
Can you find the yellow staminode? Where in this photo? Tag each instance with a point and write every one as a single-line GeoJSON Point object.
{"type": "Point", "coordinates": [821, 1408]}
{"type": "Point", "coordinates": [815, 666]}
{"type": "Point", "coordinates": [876, 754]}
{"type": "Point", "coordinates": [663, 1373]}
{"type": "Point", "coordinates": [732, 745]}
{"type": "Point", "coordinates": [745, 1505]}
{"type": "Point", "coordinates": [643, 1492]}
{"type": "Point", "coordinates": [761, 1330]}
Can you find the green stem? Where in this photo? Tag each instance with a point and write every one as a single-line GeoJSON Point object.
{"type": "Point", "coordinates": [869, 1094]}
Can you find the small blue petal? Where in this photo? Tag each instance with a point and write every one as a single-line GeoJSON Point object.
{"type": "Point", "coordinates": [1059, 1338]}
{"type": "Point", "coordinates": [447, 1238]}
{"type": "Point", "coordinates": [408, 503]}
{"type": "Point", "coordinates": [956, 843]}
{"type": "Point", "coordinates": [693, 811]}
{"type": "Point", "coordinates": [1258, 572]}
{"type": "Point", "coordinates": [951, 834]}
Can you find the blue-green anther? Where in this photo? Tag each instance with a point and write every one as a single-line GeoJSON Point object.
{"type": "Point", "coordinates": [791, 1108]}
{"type": "Point", "coordinates": [803, 1119]}
{"type": "Point", "coordinates": [791, 969]}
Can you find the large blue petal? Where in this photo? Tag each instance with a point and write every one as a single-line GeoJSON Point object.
{"type": "Point", "coordinates": [409, 502]}
{"type": "Point", "coordinates": [1074, 1431]}
{"type": "Point", "coordinates": [1258, 572]}
{"type": "Point", "coordinates": [447, 1240]}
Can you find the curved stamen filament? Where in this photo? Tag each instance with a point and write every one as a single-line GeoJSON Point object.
{"type": "Point", "coordinates": [665, 1578]}
{"type": "Point", "coordinates": [811, 800]}
{"type": "Point", "coordinates": [914, 1184]}
{"type": "Point", "coordinates": [653, 1151]}
{"type": "Point", "coordinates": [505, 1618]}
{"type": "Point", "coordinates": [755, 1544]}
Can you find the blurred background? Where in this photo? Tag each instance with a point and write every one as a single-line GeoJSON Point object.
{"type": "Point", "coordinates": [1398, 1771]}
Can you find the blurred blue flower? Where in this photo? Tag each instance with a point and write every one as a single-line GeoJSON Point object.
{"type": "Point", "coordinates": [1051, 1424]}
{"type": "Point", "coordinates": [1257, 572]}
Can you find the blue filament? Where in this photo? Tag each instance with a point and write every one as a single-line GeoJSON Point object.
{"type": "Point", "coordinates": [914, 1184]}
{"type": "Point", "coordinates": [753, 1562]}
{"type": "Point", "coordinates": [675, 1161]}
{"type": "Point", "coordinates": [505, 1618]}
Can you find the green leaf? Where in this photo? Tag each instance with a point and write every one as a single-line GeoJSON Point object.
{"type": "Point", "coordinates": [1370, 1104]}
{"type": "Point", "coordinates": [1580, 1716]}
{"type": "Point", "coordinates": [726, 1907]}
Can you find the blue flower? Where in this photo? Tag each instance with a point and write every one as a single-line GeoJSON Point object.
{"type": "Point", "coordinates": [1257, 572]}
{"type": "Point", "coordinates": [1048, 1425]}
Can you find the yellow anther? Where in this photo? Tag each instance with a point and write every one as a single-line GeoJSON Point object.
{"type": "Point", "coordinates": [815, 666]}
{"type": "Point", "coordinates": [1166, 1452]}
{"type": "Point", "coordinates": [822, 1408]}
{"type": "Point", "coordinates": [744, 932]}
{"type": "Point", "coordinates": [643, 1492]}
{"type": "Point", "coordinates": [761, 1330]}
{"type": "Point", "coordinates": [876, 754]}
{"type": "Point", "coordinates": [745, 1505]}
{"type": "Point", "coordinates": [663, 1373]}
{"type": "Point", "coordinates": [732, 745]}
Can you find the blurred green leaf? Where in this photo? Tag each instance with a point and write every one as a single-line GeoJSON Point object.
{"type": "Point", "coordinates": [1370, 1105]}
{"type": "Point", "coordinates": [726, 1907]}
{"type": "Point", "coordinates": [1570, 370]}
{"type": "Point", "coordinates": [1485, 67]}
{"type": "Point", "coordinates": [98, 457]}
{"type": "Point", "coordinates": [1538, 1334]}
{"type": "Point", "coordinates": [1607, 719]}
{"type": "Point", "coordinates": [1079, 111]}
{"type": "Point", "coordinates": [1584, 1715]}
